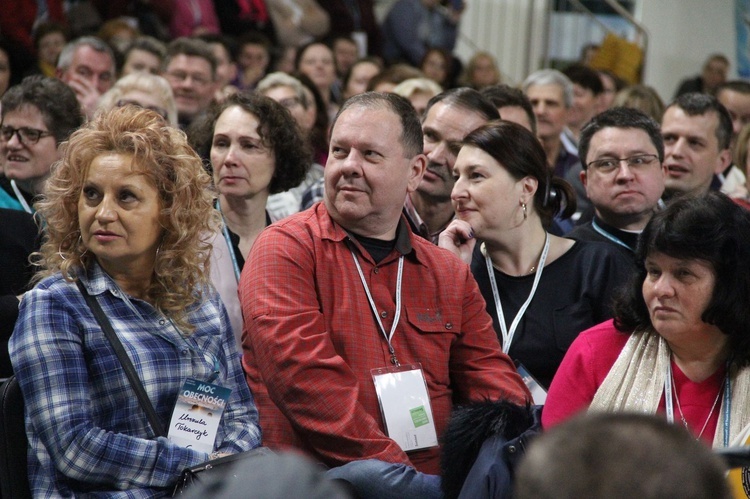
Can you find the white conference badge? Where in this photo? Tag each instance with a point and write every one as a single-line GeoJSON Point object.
{"type": "Point", "coordinates": [405, 406]}
{"type": "Point", "coordinates": [197, 413]}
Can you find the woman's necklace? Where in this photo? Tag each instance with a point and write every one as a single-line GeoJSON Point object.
{"type": "Point", "coordinates": [483, 249]}
{"type": "Point", "coordinates": [682, 416]}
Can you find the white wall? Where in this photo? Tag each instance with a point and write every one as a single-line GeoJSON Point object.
{"type": "Point", "coordinates": [510, 30]}
{"type": "Point", "coordinates": [683, 33]}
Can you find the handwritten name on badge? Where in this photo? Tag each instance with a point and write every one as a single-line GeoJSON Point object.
{"type": "Point", "coordinates": [197, 413]}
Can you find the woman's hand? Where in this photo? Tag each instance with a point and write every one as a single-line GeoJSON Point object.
{"type": "Point", "coordinates": [458, 238]}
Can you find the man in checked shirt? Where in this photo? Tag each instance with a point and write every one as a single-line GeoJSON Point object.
{"type": "Point", "coordinates": [334, 292]}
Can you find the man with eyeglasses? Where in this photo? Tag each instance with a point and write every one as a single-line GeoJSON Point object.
{"type": "Point", "coordinates": [622, 153]}
{"type": "Point", "coordinates": [87, 65]}
{"type": "Point", "coordinates": [190, 69]}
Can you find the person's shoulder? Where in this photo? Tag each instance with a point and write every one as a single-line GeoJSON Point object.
{"type": "Point", "coordinates": [596, 250]}
{"type": "Point", "coordinates": [306, 232]}
{"type": "Point", "coordinates": [51, 293]}
{"type": "Point", "coordinates": [602, 337]}
{"type": "Point", "coordinates": [312, 220]}
{"type": "Point", "coordinates": [433, 255]}
{"type": "Point", "coordinates": [55, 283]}
{"type": "Point", "coordinates": [601, 331]}
{"type": "Point", "coordinates": [688, 85]}
{"type": "Point", "coordinates": [598, 259]}
{"type": "Point", "coordinates": [584, 232]}
{"type": "Point", "coordinates": [11, 217]}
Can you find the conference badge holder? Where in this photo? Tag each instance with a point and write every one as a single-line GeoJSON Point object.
{"type": "Point", "coordinates": [196, 415]}
{"type": "Point", "coordinates": [538, 393]}
{"type": "Point", "coordinates": [405, 406]}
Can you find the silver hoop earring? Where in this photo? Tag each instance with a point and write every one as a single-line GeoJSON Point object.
{"type": "Point", "coordinates": [78, 243]}
{"type": "Point", "coordinates": [61, 254]}
{"type": "Point", "coordinates": [525, 215]}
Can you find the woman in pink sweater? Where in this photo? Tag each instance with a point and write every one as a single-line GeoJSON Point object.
{"type": "Point", "coordinates": [679, 343]}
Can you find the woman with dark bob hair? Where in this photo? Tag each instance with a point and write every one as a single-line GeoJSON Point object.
{"type": "Point", "coordinates": [127, 212]}
{"type": "Point", "coordinates": [541, 290]}
{"type": "Point", "coordinates": [256, 149]}
{"type": "Point", "coordinates": [679, 343]}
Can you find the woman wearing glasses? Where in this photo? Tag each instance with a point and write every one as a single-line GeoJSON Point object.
{"type": "Point", "coordinates": [541, 290]}
{"type": "Point", "coordinates": [37, 115]}
{"type": "Point", "coordinates": [142, 90]}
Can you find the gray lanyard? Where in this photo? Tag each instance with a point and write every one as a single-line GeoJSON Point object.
{"type": "Point", "coordinates": [374, 308]}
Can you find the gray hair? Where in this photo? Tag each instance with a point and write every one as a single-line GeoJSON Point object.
{"type": "Point", "coordinates": [98, 45]}
{"type": "Point", "coordinates": [145, 82]}
{"type": "Point", "coordinates": [551, 77]}
{"type": "Point", "coordinates": [281, 79]}
{"type": "Point", "coordinates": [425, 85]}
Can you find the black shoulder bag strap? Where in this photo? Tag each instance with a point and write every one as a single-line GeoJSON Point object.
{"type": "Point", "coordinates": [127, 365]}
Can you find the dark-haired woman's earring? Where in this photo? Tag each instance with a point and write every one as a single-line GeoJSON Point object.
{"type": "Point", "coordinates": [525, 215]}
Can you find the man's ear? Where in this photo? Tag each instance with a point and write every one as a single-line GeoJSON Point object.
{"type": "Point", "coordinates": [417, 167]}
{"type": "Point", "coordinates": [724, 160]}
{"type": "Point", "coordinates": [584, 177]}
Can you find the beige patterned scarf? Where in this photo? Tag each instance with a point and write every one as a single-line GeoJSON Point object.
{"type": "Point", "coordinates": [636, 384]}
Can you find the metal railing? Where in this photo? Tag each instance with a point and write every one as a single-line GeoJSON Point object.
{"type": "Point", "coordinates": [642, 36]}
{"type": "Point", "coordinates": [517, 32]}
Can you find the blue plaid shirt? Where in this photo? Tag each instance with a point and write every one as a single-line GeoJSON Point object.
{"type": "Point", "coordinates": [87, 432]}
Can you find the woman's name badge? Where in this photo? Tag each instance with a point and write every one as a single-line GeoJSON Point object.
{"type": "Point", "coordinates": [196, 416]}
{"type": "Point", "coordinates": [405, 406]}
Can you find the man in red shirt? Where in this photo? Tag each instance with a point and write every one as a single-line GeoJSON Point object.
{"type": "Point", "coordinates": [341, 289]}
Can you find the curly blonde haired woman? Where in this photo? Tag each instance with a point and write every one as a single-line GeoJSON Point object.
{"type": "Point", "coordinates": [126, 211]}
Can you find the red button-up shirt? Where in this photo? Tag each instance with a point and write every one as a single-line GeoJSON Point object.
{"type": "Point", "coordinates": [310, 338]}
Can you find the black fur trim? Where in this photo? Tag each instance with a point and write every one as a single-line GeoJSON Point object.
{"type": "Point", "coordinates": [467, 430]}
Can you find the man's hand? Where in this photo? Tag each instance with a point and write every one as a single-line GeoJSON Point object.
{"type": "Point", "coordinates": [87, 94]}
